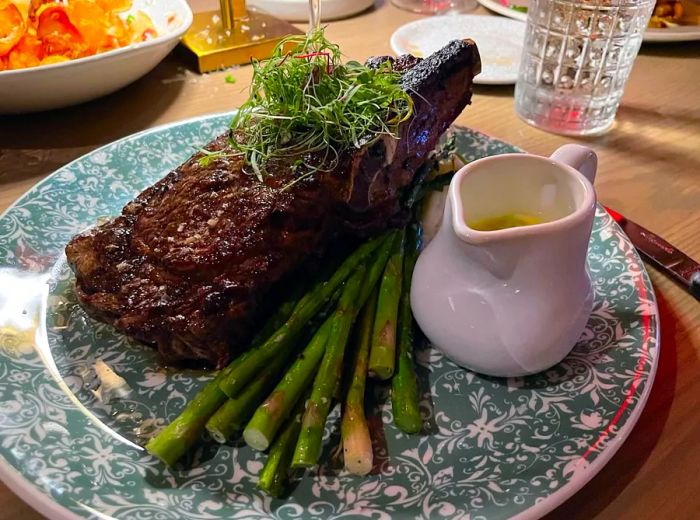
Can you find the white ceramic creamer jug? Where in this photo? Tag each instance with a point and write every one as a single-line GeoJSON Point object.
{"type": "Point", "coordinates": [512, 301]}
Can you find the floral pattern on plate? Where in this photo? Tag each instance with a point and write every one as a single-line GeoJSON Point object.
{"type": "Point", "coordinates": [491, 448]}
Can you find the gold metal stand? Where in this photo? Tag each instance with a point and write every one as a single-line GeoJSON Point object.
{"type": "Point", "coordinates": [232, 36]}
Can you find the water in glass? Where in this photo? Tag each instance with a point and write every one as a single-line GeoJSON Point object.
{"type": "Point", "coordinates": [577, 57]}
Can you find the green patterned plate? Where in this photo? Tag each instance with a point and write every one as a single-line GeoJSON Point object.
{"type": "Point", "coordinates": [492, 448]}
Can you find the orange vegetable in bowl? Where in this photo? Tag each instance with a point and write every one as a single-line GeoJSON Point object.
{"type": "Point", "coordinates": [27, 53]}
{"type": "Point", "coordinates": [42, 32]}
{"type": "Point", "coordinates": [114, 5]}
{"type": "Point", "coordinates": [57, 33]}
{"type": "Point", "coordinates": [55, 58]}
{"type": "Point", "coordinates": [12, 26]}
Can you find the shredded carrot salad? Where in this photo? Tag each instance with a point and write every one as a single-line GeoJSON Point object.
{"type": "Point", "coordinates": [39, 32]}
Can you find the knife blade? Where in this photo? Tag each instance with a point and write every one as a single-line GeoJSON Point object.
{"type": "Point", "coordinates": [664, 256]}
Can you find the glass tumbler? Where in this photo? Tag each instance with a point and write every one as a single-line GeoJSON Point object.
{"type": "Point", "coordinates": [577, 57]}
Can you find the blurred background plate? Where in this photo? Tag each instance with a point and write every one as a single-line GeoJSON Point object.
{"type": "Point", "coordinates": [517, 10]}
{"type": "Point", "coordinates": [298, 10]}
{"type": "Point", "coordinates": [76, 81]}
{"type": "Point", "coordinates": [685, 33]}
{"type": "Point", "coordinates": [500, 42]}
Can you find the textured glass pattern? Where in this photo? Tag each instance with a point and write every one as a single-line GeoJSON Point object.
{"type": "Point", "coordinates": [576, 60]}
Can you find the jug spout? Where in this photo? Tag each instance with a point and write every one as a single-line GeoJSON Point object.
{"type": "Point", "coordinates": [510, 197]}
{"type": "Point", "coordinates": [580, 158]}
{"type": "Point", "coordinates": [484, 252]}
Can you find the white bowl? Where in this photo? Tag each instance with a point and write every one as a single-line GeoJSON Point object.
{"type": "Point", "coordinates": [70, 82]}
{"type": "Point", "coordinates": [298, 10]}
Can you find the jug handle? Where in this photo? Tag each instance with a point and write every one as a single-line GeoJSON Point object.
{"type": "Point", "coordinates": [578, 157]}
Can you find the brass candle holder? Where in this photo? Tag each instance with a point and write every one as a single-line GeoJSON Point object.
{"type": "Point", "coordinates": [232, 36]}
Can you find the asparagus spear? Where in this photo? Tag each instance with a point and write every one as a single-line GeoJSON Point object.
{"type": "Point", "coordinates": [282, 314]}
{"type": "Point", "coordinates": [174, 440]}
{"type": "Point", "coordinates": [376, 268]}
{"type": "Point", "coordinates": [318, 405]}
{"type": "Point", "coordinates": [404, 385]}
{"type": "Point", "coordinates": [268, 417]}
{"type": "Point", "coordinates": [357, 445]}
{"type": "Point", "coordinates": [234, 413]}
{"type": "Point", "coordinates": [274, 474]}
{"type": "Point", "coordinates": [237, 411]}
{"type": "Point", "coordinates": [414, 192]}
{"type": "Point", "coordinates": [179, 436]}
{"type": "Point", "coordinates": [357, 290]}
{"type": "Point", "coordinates": [254, 360]}
{"type": "Point", "coordinates": [383, 351]}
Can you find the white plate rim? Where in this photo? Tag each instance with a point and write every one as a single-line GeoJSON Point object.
{"type": "Point", "coordinates": [579, 481]}
{"type": "Point", "coordinates": [22, 487]}
{"type": "Point", "coordinates": [668, 35]}
{"type": "Point", "coordinates": [296, 11]}
{"type": "Point", "coordinates": [496, 7]}
{"type": "Point", "coordinates": [685, 33]}
{"type": "Point", "coordinates": [479, 79]}
{"type": "Point", "coordinates": [28, 492]}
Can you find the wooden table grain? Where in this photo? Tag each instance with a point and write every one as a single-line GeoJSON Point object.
{"type": "Point", "coordinates": [649, 170]}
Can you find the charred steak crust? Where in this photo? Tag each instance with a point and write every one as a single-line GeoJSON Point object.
{"type": "Point", "coordinates": [185, 265]}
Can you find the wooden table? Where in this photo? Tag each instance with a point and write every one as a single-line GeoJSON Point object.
{"type": "Point", "coordinates": [649, 170]}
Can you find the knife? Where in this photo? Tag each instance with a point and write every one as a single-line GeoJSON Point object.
{"type": "Point", "coordinates": [661, 254]}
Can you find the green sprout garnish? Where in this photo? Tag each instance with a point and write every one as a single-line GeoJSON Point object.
{"type": "Point", "coordinates": [130, 19]}
{"type": "Point", "coordinates": [230, 79]}
{"type": "Point", "coordinates": [304, 102]}
{"type": "Point", "coordinates": [209, 156]}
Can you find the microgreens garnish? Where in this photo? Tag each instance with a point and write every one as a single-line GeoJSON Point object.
{"type": "Point", "coordinates": [208, 156]}
{"type": "Point", "coordinates": [305, 102]}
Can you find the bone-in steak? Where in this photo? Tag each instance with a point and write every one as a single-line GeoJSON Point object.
{"type": "Point", "coordinates": [187, 262]}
